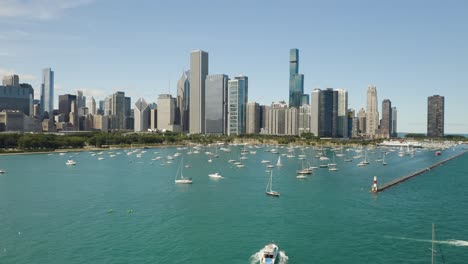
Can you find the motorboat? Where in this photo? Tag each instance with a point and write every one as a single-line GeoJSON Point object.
{"type": "Point", "coordinates": [269, 254]}
{"type": "Point", "coordinates": [71, 162]}
{"type": "Point", "coordinates": [215, 175]}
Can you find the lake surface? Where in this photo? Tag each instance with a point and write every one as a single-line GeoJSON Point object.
{"type": "Point", "coordinates": [126, 209]}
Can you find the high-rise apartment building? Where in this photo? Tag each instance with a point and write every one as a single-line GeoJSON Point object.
{"type": "Point", "coordinates": [314, 112]}
{"type": "Point", "coordinates": [362, 122]}
{"type": "Point", "coordinates": [47, 91]}
{"type": "Point", "coordinates": [198, 73]}
{"type": "Point", "coordinates": [372, 112]}
{"type": "Point", "coordinates": [342, 116]}
{"type": "Point", "coordinates": [141, 116]}
{"type": "Point", "coordinates": [183, 100]}
{"type": "Point", "coordinates": [296, 80]}
{"type": "Point", "coordinates": [12, 80]}
{"type": "Point", "coordinates": [386, 122]}
{"type": "Point", "coordinates": [435, 116]}
{"type": "Point", "coordinates": [253, 118]}
{"type": "Point", "coordinates": [215, 103]}
{"type": "Point", "coordinates": [92, 106]}
{"type": "Point", "coordinates": [305, 119]}
{"type": "Point", "coordinates": [236, 99]}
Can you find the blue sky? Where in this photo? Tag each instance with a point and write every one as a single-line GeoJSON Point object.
{"type": "Point", "coordinates": [408, 49]}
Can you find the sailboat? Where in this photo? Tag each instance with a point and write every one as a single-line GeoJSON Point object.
{"type": "Point", "coordinates": [303, 171]}
{"type": "Point", "coordinates": [278, 163]}
{"type": "Point", "coordinates": [181, 179]}
{"type": "Point", "coordinates": [268, 190]}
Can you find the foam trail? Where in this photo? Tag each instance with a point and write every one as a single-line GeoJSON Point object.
{"type": "Point", "coordinates": [453, 242]}
{"type": "Point", "coordinates": [281, 259]}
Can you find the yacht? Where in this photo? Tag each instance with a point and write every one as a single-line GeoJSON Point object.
{"type": "Point", "coordinates": [215, 175]}
{"type": "Point", "coordinates": [270, 252]}
{"type": "Point", "coordinates": [2, 171]}
{"type": "Point", "coordinates": [71, 162]}
{"type": "Point", "coordinates": [265, 161]}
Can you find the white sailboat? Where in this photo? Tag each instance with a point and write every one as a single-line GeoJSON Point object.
{"type": "Point", "coordinates": [278, 163]}
{"type": "Point", "coordinates": [181, 179]}
{"type": "Point", "coordinates": [268, 190]}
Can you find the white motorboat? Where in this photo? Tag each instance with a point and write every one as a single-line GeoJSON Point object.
{"type": "Point", "coordinates": [270, 252]}
{"type": "Point", "coordinates": [71, 162]}
{"type": "Point", "coordinates": [265, 161]}
{"type": "Point", "coordinates": [215, 175]}
{"type": "Point", "coordinates": [270, 166]}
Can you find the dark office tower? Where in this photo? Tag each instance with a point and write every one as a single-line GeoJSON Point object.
{"type": "Point", "coordinates": [296, 80]}
{"type": "Point", "coordinates": [394, 122]}
{"type": "Point", "coordinates": [65, 106]}
{"type": "Point", "coordinates": [328, 112]}
{"type": "Point", "coordinates": [18, 97]}
{"type": "Point", "coordinates": [386, 122]}
{"type": "Point", "coordinates": [183, 100]}
{"type": "Point", "coordinates": [215, 103]}
{"type": "Point", "coordinates": [435, 116]}
{"type": "Point", "coordinates": [305, 99]}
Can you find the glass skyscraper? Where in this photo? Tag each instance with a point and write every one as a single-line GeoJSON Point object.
{"type": "Point", "coordinates": [47, 91]}
{"type": "Point", "coordinates": [296, 80]}
{"type": "Point", "coordinates": [215, 112]}
{"type": "Point", "coordinates": [237, 100]}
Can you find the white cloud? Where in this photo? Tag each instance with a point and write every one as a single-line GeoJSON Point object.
{"type": "Point", "coordinates": [38, 9]}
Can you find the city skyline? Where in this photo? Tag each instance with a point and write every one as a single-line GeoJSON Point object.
{"type": "Point", "coordinates": [406, 72]}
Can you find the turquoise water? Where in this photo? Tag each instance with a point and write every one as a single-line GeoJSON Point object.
{"type": "Point", "coordinates": [53, 213]}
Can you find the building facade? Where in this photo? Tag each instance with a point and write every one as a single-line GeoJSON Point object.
{"type": "Point", "coordinates": [12, 80]}
{"type": "Point", "coordinates": [372, 112]}
{"type": "Point", "coordinates": [47, 91]}
{"type": "Point", "coordinates": [296, 80]}
{"type": "Point", "coordinates": [19, 97]}
{"type": "Point", "coordinates": [253, 118]}
{"type": "Point", "coordinates": [166, 114]}
{"type": "Point", "coordinates": [183, 100]}
{"type": "Point", "coordinates": [386, 122]}
{"type": "Point", "coordinates": [342, 115]}
{"type": "Point", "coordinates": [394, 122]}
{"type": "Point", "coordinates": [237, 90]}
{"type": "Point", "coordinates": [198, 73]}
{"type": "Point", "coordinates": [215, 103]}
{"type": "Point", "coordinates": [141, 116]}
{"type": "Point", "coordinates": [435, 116]}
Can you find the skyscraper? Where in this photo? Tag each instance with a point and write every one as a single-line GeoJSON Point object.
{"type": "Point", "coordinates": [65, 106]}
{"type": "Point", "coordinates": [342, 125]}
{"type": "Point", "coordinates": [328, 113]}
{"type": "Point", "coordinates": [198, 73]}
{"type": "Point", "coordinates": [386, 122]}
{"type": "Point", "coordinates": [435, 116]}
{"type": "Point", "coordinates": [372, 113]}
{"type": "Point", "coordinates": [141, 116]}
{"type": "Point", "coordinates": [394, 122]}
{"type": "Point", "coordinates": [253, 118]}
{"type": "Point", "coordinates": [314, 112]}
{"type": "Point", "coordinates": [362, 122]}
{"type": "Point", "coordinates": [11, 80]}
{"type": "Point", "coordinates": [215, 105]}
{"type": "Point", "coordinates": [18, 97]}
{"type": "Point", "coordinates": [296, 80]}
{"type": "Point", "coordinates": [304, 119]}
{"type": "Point", "coordinates": [47, 91]}
{"type": "Point", "coordinates": [236, 99]}
{"type": "Point", "coordinates": [166, 113]}
{"type": "Point", "coordinates": [80, 99]}
{"type": "Point", "coordinates": [92, 106]}
{"type": "Point", "coordinates": [183, 100]}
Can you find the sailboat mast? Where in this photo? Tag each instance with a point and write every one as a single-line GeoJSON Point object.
{"type": "Point", "coordinates": [433, 238]}
{"type": "Point", "coordinates": [271, 179]}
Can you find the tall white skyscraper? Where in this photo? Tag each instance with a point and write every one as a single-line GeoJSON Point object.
{"type": "Point", "coordinates": [141, 116]}
{"type": "Point", "coordinates": [166, 113]}
{"type": "Point", "coordinates": [315, 112]}
{"type": "Point", "coordinates": [372, 113]}
{"type": "Point", "coordinates": [198, 73]}
{"type": "Point", "coordinates": [92, 106]}
{"type": "Point", "coordinates": [47, 91]}
{"type": "Point", "coordinates": [342, 125]}
{"type": "Point", "coordinates": [304, 119]}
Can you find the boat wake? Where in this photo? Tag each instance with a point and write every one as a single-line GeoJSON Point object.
{"type": "Point", "coordinates": [452, 242]}
{"type": "Point", "coordinates": [281, 259]}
